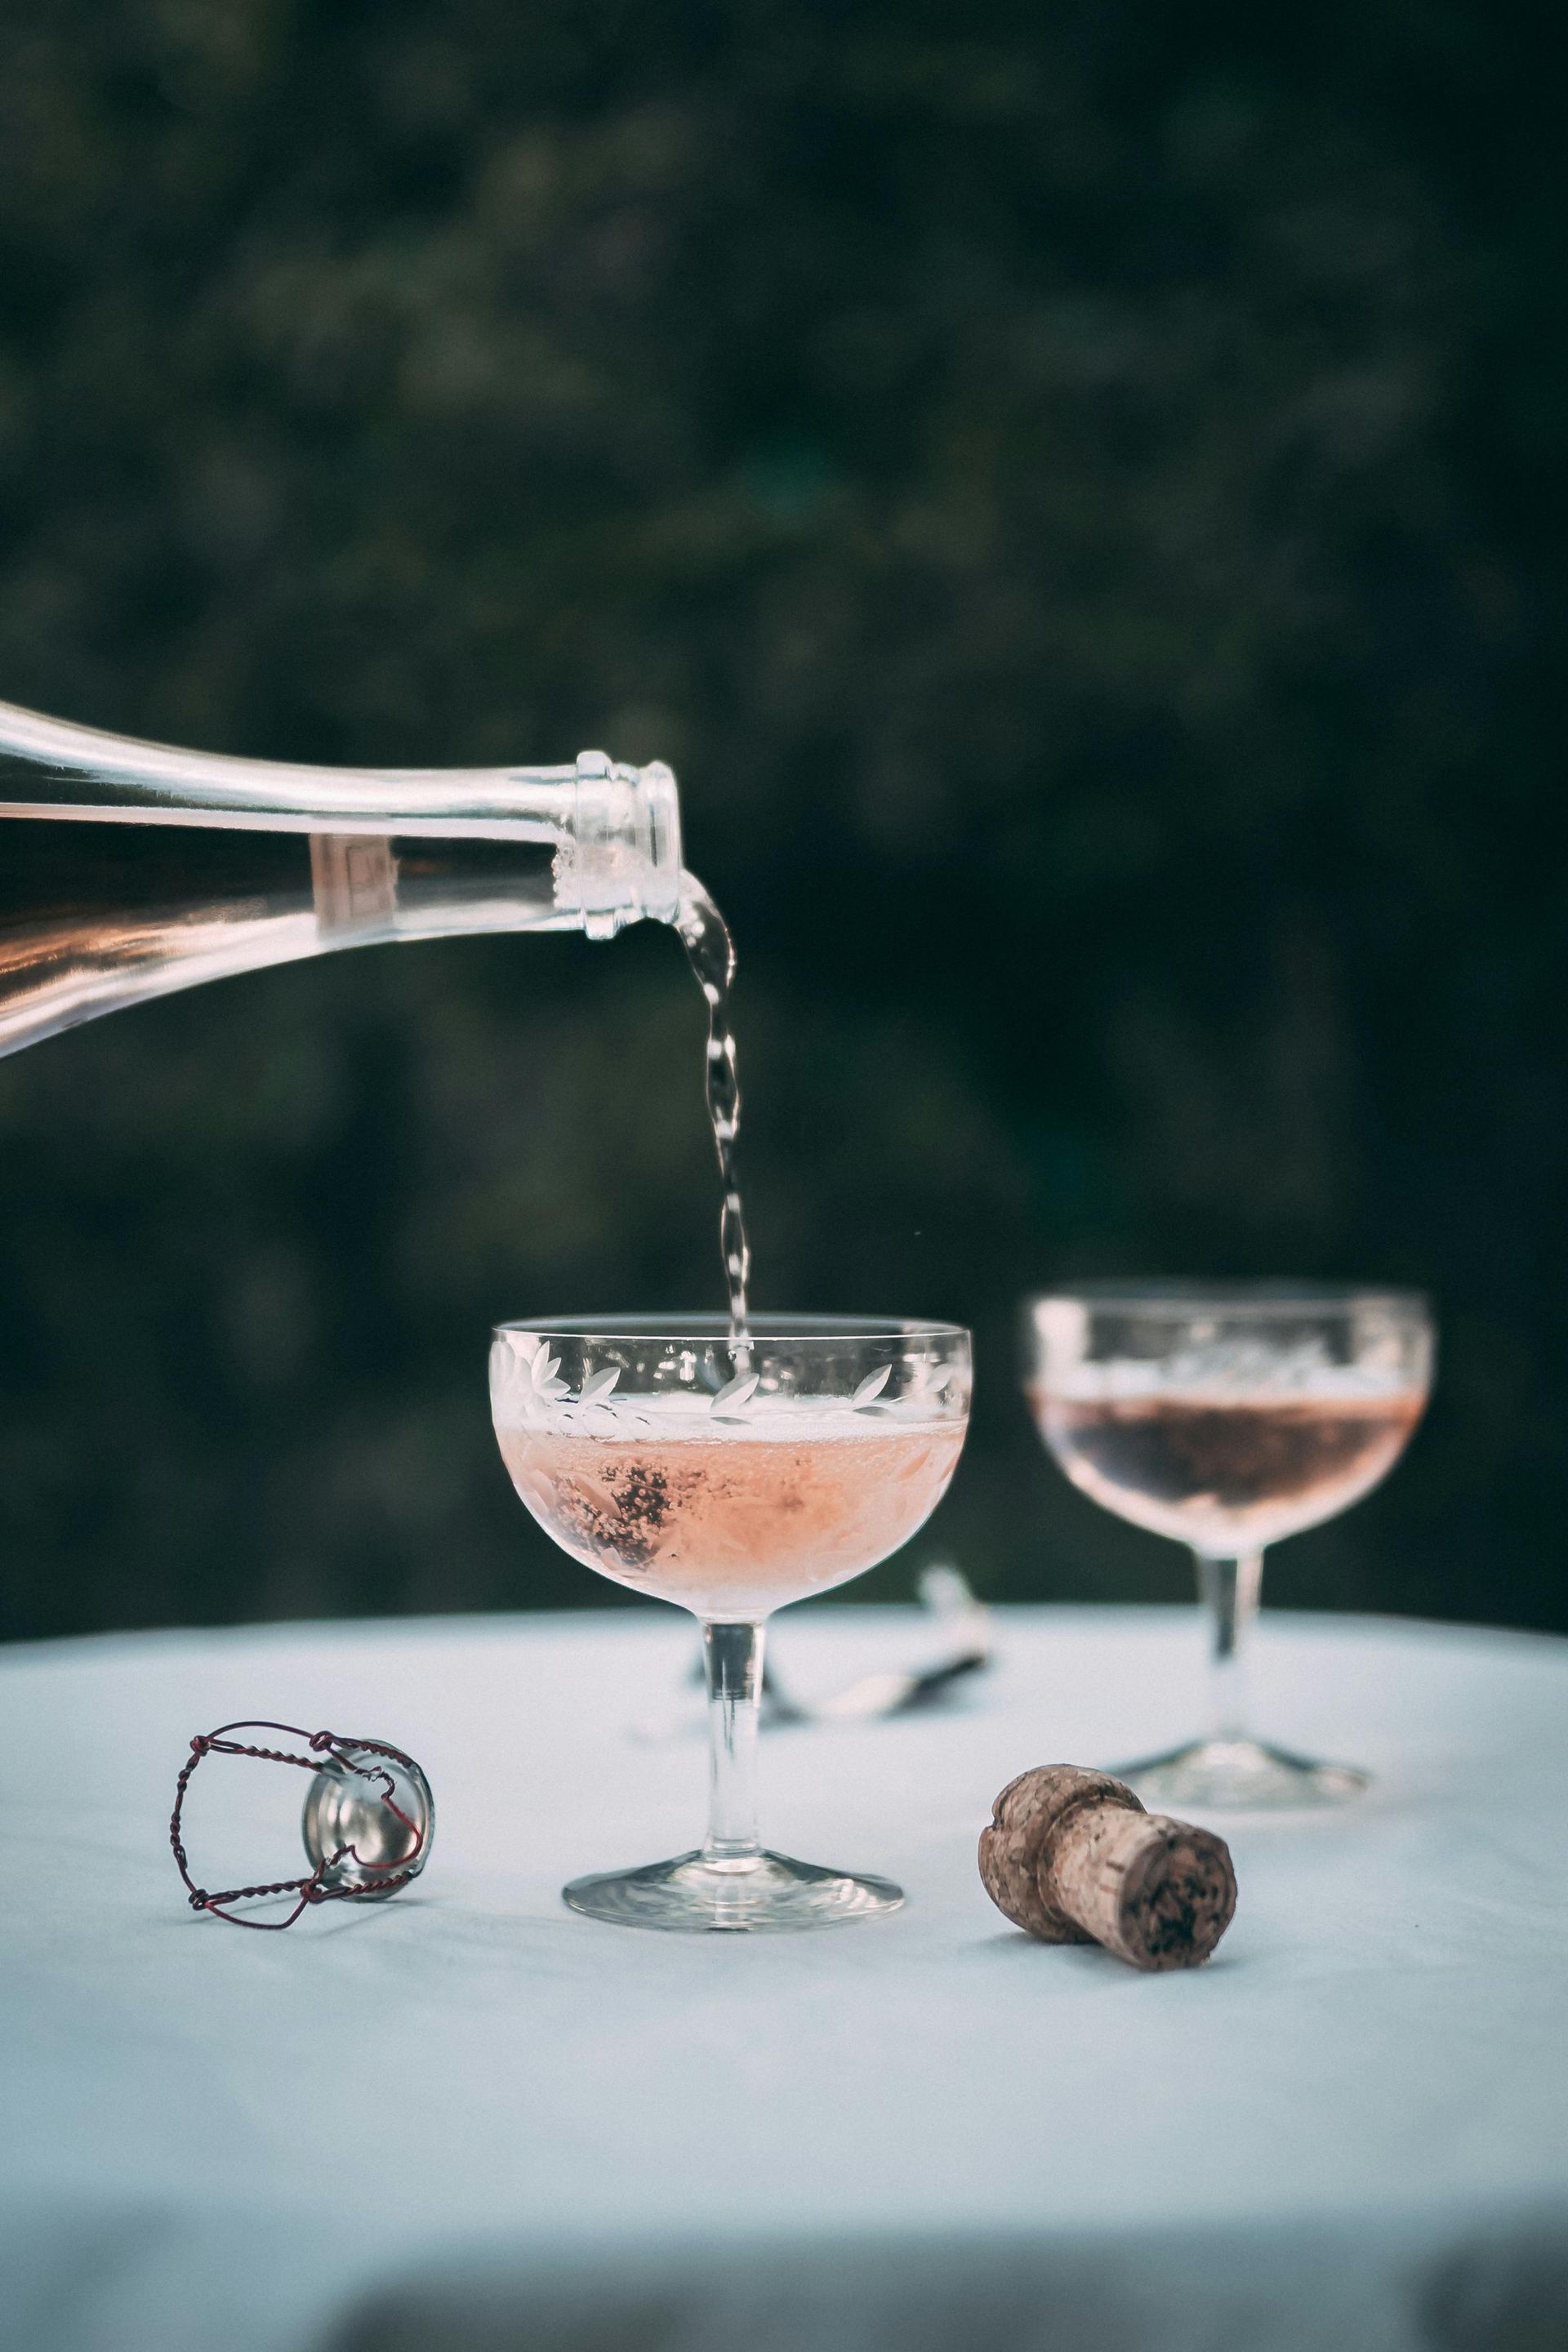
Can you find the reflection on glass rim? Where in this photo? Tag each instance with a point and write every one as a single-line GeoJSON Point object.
{"type": "Point", "coordinates": [771, 1330]}
{"type": "Point", "coordinates": [1188, 1298]}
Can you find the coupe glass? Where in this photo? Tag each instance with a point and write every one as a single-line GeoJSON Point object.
{"type": "Point", "coordinates": [730, 1477]}
{"type": "Point", "coordinates": [1228, 1417]}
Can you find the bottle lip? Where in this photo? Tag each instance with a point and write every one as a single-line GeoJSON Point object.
{"type": "Point", "coordinates": [666, 863]}
{"type": "Point", "coordinates": [622, 859]}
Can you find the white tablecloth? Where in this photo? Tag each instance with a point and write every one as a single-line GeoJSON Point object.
{"type": "Point", "coordinates": [466, 2119]}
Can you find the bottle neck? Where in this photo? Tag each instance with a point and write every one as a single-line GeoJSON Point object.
{"type": "Point", "coordinates": [389, 855]}
{"type": "Point", "coordinates": [622, 823]}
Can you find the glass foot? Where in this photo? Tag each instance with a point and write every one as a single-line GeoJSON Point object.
{"type": "Point", "coordinates": [1240, 1775]}
{"type": "Point", "coordinates": [767, 1891]}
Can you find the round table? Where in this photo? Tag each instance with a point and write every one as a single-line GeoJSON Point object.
{"type": "Point", "coordinates": [467, 2118]}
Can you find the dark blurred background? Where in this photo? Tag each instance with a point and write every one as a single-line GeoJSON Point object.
{"type": "Point", "coordinates": [1073, 489]}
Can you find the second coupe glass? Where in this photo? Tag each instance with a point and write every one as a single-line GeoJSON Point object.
{"type": "Point", "coordinates": [1228, 1417]}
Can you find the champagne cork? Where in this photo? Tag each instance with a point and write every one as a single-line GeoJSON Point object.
{"type": "Point", "coordinates": [1072, 1857]}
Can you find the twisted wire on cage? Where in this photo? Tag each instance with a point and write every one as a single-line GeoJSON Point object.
{"type": "Point", "coordinates": [312, 1889]}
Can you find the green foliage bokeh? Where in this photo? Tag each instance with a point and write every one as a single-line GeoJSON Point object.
{"type": "Point", "coordinates": [1070, 489]}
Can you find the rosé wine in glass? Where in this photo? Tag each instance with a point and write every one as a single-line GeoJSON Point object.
{"type": "Point", "coordinates": [733, 1520]}
{"type": "Point", "coordinates": [1224, 1473]}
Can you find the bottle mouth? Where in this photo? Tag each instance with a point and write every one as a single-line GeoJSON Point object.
{"type": "Point", "coordinates": [622, 858]}
{"type": "Point", "coordinates": [660, 807]}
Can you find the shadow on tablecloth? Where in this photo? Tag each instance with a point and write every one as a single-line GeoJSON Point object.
{"type": "Point", "coordinates": [1500, 2287]}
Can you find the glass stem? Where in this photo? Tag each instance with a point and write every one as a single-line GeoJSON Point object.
{"type": "Point", "coordinates": [1228, 1591]}
{"type": "Point", "coordinates": [732, 1657]}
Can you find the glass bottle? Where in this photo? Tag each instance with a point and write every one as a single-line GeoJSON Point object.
{"type": "Point", "coordinates": [218, 866]}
